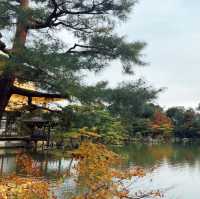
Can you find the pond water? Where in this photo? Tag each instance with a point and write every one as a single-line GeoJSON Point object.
{"type": "Point", "coordinates": [176, 167]}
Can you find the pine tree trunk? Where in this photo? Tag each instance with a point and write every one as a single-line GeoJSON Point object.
{"type": "Point", "coordinates": [6, 83]}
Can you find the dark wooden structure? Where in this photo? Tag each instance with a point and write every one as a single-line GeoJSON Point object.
{"type": "Point", "coordinates": [39, 129]}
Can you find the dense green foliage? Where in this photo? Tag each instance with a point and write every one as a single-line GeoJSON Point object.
{"type": "Point", "coordinates": [57, 41]}
{"type": "Point", "coordinates": [186, 122]}
{"type": "Point", "coordinates": [41, 53]}
{"type": "Point", "coordinates": [47, 56]}
{"type": "Point", "coordinates": [92, 118]}
{"type": "Point", "coordinates": [112, 113]}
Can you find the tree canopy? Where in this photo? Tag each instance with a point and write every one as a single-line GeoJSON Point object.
{"type": "Point", "coordinates": [54, 62]}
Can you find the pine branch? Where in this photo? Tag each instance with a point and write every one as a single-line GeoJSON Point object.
{"type": "Point", "coordinates": [88, 49]}
{"type": "Point", "coordinates": [58, 12]}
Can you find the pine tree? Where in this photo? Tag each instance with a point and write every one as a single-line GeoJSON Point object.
{"type": "Point", "coordinates": [38, 54]}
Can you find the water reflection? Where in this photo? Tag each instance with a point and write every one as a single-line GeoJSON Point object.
{"type": "Point", "coordinates": [178, 167]}
{"type": "Point", "coordinates": [177, 171]}
{"type": "Point", "coordinates": [48, 163]}
{"type": "Point", "coordinates": [149, 155]}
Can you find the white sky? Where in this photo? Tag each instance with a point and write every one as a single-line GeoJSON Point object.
{"type": "Point", "coordinates": [172, 32]}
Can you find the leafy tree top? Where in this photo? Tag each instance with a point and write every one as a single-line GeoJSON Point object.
{"type": "Point", "coordinates": [38, 53]}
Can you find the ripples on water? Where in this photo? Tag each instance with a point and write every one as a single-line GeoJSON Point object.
{"type": "Point", "coordinates": [177, 168]}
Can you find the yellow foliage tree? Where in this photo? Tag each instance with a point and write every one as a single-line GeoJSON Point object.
{"type": "Point", "coordinates": [98, 171]}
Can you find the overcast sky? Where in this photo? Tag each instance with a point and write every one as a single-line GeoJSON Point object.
{"type": "Point", "coordinates": [172, 32]}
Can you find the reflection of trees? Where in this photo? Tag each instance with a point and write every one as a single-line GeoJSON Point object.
{"type": "Point", "coordinates": [161, 152]}
{"type": "Point", "coordinates": [185, 154]}
{"type": "Point", "coordinates": [7, 164]}
{"type": "Point", "coordinates": [151, 155]}
{"type": "Point", "coordinates": [51, 166]}
{"type": "Point", "coordinates": [136, 154]}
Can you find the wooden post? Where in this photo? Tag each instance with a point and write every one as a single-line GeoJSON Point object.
{"type": "Point", "coordinates": [48, 136]}
{"type": "Point", "coordinates": [35, 141]}
{"type": "Point", "coordinates": [2, 161]}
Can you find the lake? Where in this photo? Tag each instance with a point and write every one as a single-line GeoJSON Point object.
{"type": "Point", "coordinates": [176, 167]}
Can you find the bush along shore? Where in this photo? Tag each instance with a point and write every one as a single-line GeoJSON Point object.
{"type": "Point", "coordinates": [75, 123]}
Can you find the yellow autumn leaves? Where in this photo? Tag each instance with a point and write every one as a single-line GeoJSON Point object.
{"type": "Point", "coordinates": [97, 170]}
{"type": "Point", "coordinates": [23, 188]}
